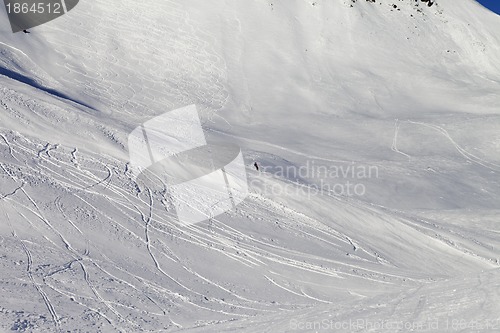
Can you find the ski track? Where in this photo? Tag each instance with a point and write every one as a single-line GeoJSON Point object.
{"type": "Point", "coordinates": [39, 289]}
{"type": "Point", "coordinates": [220, 238]}
{"type": "Point", "coordinates": [66, 198]}
{"type": "Point", "coordinates": [469, 156]}
{"type": "Point", "coordinates": [89, 179]}
{"type": "Point", "coordinates": [195, 236]}
{"type": "Point", "coordinates": [202, 73]}
{"type": "Point", "coordinates": [394, 146]}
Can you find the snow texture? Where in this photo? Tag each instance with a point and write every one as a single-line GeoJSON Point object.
{"type": "Point", "coordinates": [396, 97]}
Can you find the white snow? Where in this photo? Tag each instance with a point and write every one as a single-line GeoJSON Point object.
{"type": "Point", "coordinates": [402, 102]}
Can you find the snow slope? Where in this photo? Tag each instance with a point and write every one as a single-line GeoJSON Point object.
{"type": "Point", "coordinates": [409, 91]}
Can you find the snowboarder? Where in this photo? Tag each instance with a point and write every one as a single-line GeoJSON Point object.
{"type": "Point", "coordinates": [256, 166]}
{"type": "Point", "coordinates": [26, 31]}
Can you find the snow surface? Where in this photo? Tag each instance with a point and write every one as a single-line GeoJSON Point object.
{"type": "Point", "coordinates": [410, 91]}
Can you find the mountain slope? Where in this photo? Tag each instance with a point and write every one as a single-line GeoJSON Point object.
{"type": "Point", "coordinates": [325, 87]}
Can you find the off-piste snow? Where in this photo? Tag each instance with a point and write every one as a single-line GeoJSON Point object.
{"type": "Point", "coordinates": [370, 132]}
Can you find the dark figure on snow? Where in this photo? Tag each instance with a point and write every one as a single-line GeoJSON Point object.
{"type": "Point", "coordinates": [256, 166]}
{"type": "Point", "coordinates": [26, 31]}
